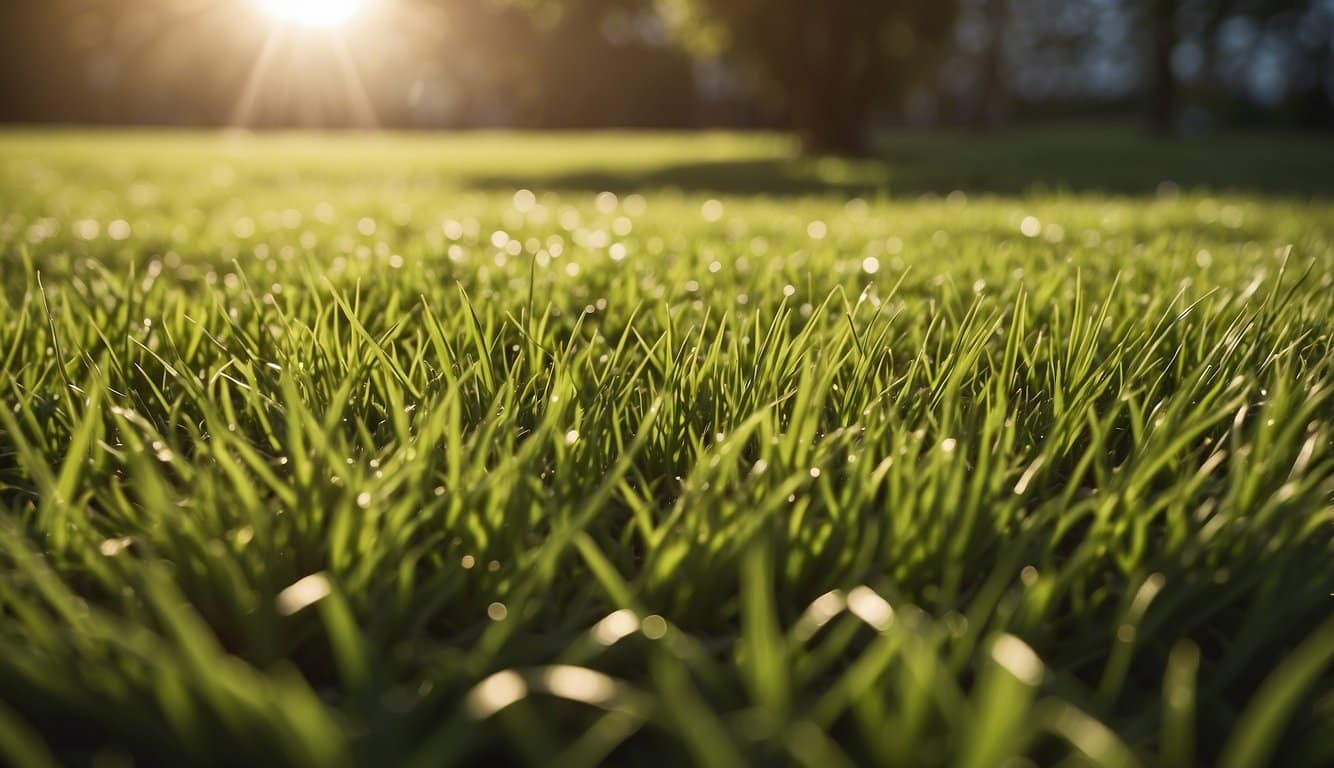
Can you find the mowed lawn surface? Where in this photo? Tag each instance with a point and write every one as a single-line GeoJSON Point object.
{"type": "Point", "coordinates": [659, 450]}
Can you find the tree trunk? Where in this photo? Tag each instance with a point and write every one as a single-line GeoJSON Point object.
{"type": "Point", "coordinates": [832, 128]}
{"type": "Point", "coordinates": [993, 100]}
{"type": "Point", "coordinates": [834, 93]}
{"type": "Point", "coordinates": [1162, 107]}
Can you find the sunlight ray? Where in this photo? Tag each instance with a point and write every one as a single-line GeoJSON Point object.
{"type": "Point", "coordinates": [363, 109]}
{"type": "Point", "coordinates": [243, 113]}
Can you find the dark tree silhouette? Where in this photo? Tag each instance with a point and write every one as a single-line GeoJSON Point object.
{"type": "Point", "coordinates": [994, 96]}
{"type": "Point", "coordinates": [1163, 106]}
{"type": "Point", "coordinates": [828, 64]}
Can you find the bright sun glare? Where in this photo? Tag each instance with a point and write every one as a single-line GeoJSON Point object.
{"type": "Point", "coordinates": [313, 13]}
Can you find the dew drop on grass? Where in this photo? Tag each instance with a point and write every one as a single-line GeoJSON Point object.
{"type": "Point", "coordinates": [635, 204]}
{"type": "Point", "coordinates": [87, 229]}
{"type": "Point", "coordinates": [654, 627]}
{"type": "Point", "coordinates": [867, 605]}
{"type": "Point", "coordinates": [1017, 658]}
{"type": "Point", "coordinates": [579, 684]}
{"type": "Point", "coordinates": [305, 592]}
{"type": "Point", "coordinates": [826, 607]}
{"type": "Point", "coordinates": [113, 547]}
{"type": "Point", "coordinates": [615, 626]}
{"type": "Point", "coordinates": [495, 693]}
{"type": "Point", "coordinates": [606, 202]}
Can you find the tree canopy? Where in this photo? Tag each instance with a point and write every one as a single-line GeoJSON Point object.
{"type": "Point", "coordinates": [827, 64]}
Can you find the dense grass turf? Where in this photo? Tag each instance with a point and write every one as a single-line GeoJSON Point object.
{"type": "Point", "coordinates": [339, 451]}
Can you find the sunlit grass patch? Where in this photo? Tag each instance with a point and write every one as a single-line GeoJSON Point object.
{"type": "Point", "coordinates": [362, 456]}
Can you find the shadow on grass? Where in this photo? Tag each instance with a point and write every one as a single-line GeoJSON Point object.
{"type": "Point", "coordinates": [1084, 162]}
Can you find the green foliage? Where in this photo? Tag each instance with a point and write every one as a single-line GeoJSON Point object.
{"type": "Point", "coordinates": [313, 453]}
{"type": "Point", "coordinates": [830, 63]}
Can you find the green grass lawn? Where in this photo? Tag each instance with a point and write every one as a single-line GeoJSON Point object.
{"type": "Point", "coordinates": [553, 450]}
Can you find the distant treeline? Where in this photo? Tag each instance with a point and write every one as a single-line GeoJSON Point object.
{"type": "Point", "coordinates": [1191, 65]}
{"type": "Point", "coordinates": [402, 64]}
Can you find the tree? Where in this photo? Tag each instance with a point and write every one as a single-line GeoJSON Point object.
{"type": "Point", "coordinates": [828, 64]}
{"type": "Point", "coordinates": [1163, 106]}
{"type": "Point", "coordinates": [1300, 28]}
{"type": "Point", "coordinates": [994, 96]}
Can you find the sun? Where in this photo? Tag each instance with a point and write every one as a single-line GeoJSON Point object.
{"type": "Point", "coordinates": [313, 13]}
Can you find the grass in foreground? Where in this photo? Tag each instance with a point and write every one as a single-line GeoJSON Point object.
{"type": "Point", "coordinates": [323, 453]}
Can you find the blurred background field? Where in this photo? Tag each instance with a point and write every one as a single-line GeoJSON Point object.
{"type": "Point", "coordinates": [1078, 159]}
{"type": "Point", "coordinates": [829, 70]}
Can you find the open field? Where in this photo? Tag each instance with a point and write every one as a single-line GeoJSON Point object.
{"type": "Point", "coordinates": [659, 450]}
